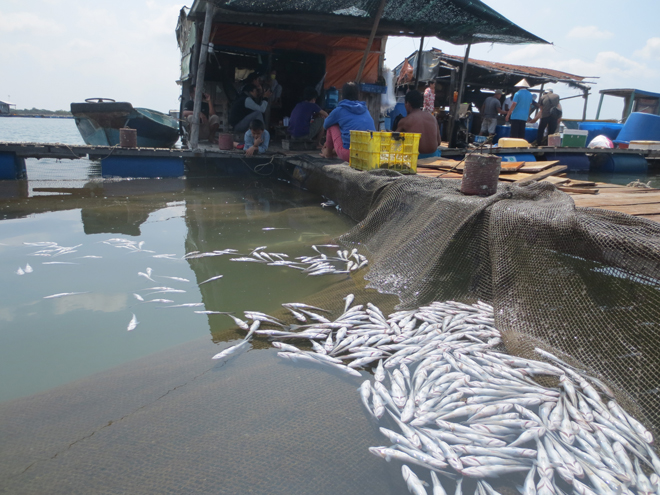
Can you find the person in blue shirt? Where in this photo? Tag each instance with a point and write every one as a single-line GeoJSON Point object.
{"type": "Point", "coordinates": [350, 115]}
{"type": "Point", "coordinates": [256, 138]}
{"type": "Point", "coordinates": [519, 111]}
{"type": "Point", "coordinates": [307, 118]}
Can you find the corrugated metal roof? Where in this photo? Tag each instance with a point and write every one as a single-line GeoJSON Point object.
{"type": "Point", "coordinates": [456, 21]}
{"type": "Point", "coordinates": [521, 70]}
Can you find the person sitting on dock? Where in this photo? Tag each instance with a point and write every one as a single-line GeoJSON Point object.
{"type": "Point", "coordinates": [550, 113]}
{"type": "Point", "coordinates": [490, 110]}
{"type": "Point", "coordinates": [245, 108]}
{"type": "Point", "coordinates": [306, 121]}
{"type": "Point", "coordinates": [519, 111]}
{"type": "Point", "coordinates": [256, 139]}
{"type": "Point", "coordinates": [350, 115]}
{"type": "Point", "coordinates": [421, 122]}
{"type": "Point", "coordinates": [209, 121]}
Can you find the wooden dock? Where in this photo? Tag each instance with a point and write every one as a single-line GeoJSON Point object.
{"type": "Point", "coordinates": [636, 201]}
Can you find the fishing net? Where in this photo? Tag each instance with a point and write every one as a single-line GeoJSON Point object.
{"type": "Point", "coordinates": [578, 282]}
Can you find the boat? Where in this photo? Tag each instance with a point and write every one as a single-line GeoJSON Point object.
{"type": "Point", "coordinates": [99, 120]}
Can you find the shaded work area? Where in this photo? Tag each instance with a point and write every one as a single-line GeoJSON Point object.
{"type": "Point", "coordinates": [225, 45]}
{"type": "Point", "coordinates": [462, 84]}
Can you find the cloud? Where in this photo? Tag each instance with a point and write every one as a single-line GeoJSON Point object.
{"type": "Point", "coordinates": [589, 32]}
{"type": "Point", "coordinates": [25, 21]}
{"type": "Point", "coordinates": [651, 51]}
{"type": "Point", "coordinates": [604, 63]}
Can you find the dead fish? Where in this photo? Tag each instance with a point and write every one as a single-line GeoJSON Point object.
{"type": "Point", "coordinates": [179, 279]}
{"type": "Point", "coordinates": [163, 255]}
{"type": "Point", "coordinates": [167, 291]}
{"type": "Point", "coordinates": [160, 300]}
{"type": "Point", "coordinates": [133, 323]}
{"type": "Point", "coordinates": [142, 274]}
{"type": "Point", "coordinates": [246, 259]}
{"type": "Point", "coordinates": [63, 294]}
{"type": "Point", "coordinates": [212, 312]}
{"type": "Point", "coordinates": [211, 279]}
{"type": "Point", "coordinates": [28, 268]}
{"type": "Point", "coordinates": [59, 263]}
{"type": "Point", "coordinates": [187, 305]}
{"type": "Point", "coordinates": [91, 256]}
{"type": "Point", "coordinates": [230, 351]}
{"type": "Point", "coordinates": [138, 297]}
{"type": "Point", "coordinates": [20, 271]}
{"type": "Point", "coordinates": [276, 228]}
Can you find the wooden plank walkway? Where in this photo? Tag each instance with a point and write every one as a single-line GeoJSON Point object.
{"type": "Point", "coordinates": [636, 201]}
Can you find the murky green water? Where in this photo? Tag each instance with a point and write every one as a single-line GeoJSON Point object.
{"type": "Point", "coordinates": [84, 401]}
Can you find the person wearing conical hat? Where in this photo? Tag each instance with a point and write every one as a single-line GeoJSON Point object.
{"type": "Point", "coordinates": [519, 111]}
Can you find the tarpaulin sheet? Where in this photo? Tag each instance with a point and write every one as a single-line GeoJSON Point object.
{"type": "Point", "coordinates": [343, 54]}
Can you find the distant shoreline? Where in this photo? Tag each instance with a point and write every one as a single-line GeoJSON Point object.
{"type": "Point", "coordinates": [38, 116]}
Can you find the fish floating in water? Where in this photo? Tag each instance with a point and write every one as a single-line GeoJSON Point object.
{"type": "Point", "coordinates": [466, 409]}
{"type": "Point", "coordinates": [322, 264]}
{"type": "Point", "coordinates": [133, 323]}
{"type": "Point", "coordinates": [64, 294]}
{"type": "Point", "coordinates": [217, 277]}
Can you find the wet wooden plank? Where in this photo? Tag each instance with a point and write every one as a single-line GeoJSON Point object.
{"type": "Point", "coordinates": [605, 199]}
{"type": "Point", "coordinates": [535, 167]}
{"type": "Point", "coordinates": [643, 209]}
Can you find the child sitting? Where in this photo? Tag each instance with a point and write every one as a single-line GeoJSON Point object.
{"type": "Point", "coordinates": [256, 138]}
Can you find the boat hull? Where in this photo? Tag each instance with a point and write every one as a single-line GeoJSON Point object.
{"type": "Point", "coordinates": [99, 124]}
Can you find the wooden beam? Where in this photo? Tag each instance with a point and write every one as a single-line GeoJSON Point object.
{"type": "Point", "coordinates": [542, 175]}
{"type": "Point", "coordinates": [203, 55]}
{"type": "Point", "coordinates": [379, 14]}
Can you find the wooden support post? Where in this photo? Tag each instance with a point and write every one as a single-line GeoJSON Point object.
{"type": "Point", "coordinates": [586, 98]}
{"type": "Point", "coordinates": [419, 61]}
{"type": "Point", "coordinates": [374, 28]}
{"type": "Point", "coordinates": [381, 57]}
{"type": "Point", "coordinates": [461, 89]}
{"type": "Point", "coordinates": [203, 55]}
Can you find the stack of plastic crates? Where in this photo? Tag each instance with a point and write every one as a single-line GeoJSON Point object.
{"type": "Point", "coordinates": [391, 150]}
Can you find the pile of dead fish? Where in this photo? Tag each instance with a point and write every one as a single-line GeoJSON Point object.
{"type": "Point", "coordinates": [321, 264]}
{"type": "Point", "coordinates": [460, 408]}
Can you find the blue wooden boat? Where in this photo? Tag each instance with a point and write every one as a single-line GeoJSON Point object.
{"type": "Point", "coordinates": [99, 120]}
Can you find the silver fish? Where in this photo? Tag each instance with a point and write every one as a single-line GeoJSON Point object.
{"type": "Point", "coordinates": [64, 294]}
{"type": "Point", "coordinates": [211, 279]}
{"type": "Point", "coordinates": [133, 323]}
{"type": "Point", "coordinates": [230, 351]}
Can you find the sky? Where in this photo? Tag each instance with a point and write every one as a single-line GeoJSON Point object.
{"type": "Point", "coordinates": [54, 52]}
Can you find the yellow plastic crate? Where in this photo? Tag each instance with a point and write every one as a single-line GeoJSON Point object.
{"type": "Point", "coordinates": [389, 150]}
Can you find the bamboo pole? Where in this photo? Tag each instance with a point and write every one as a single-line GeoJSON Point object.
{"type": "Point", "coordinates": [201, 70]}
{"type": "Point", "coordinates": [374, 28]}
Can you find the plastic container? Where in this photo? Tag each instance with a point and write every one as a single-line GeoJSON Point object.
{"type": "Point", "coordinates": [225, 141]}
{"type": "Point", "coordinates": [554, 140]}
{"type": "Point", "coordinates": [574, 139]}
{"type": "Point", "coordinates": [574, 161]}
{"type": "Point", "coordinates": [517, 157]}
{"type": "Point", "coordinates": [626, 164]}
{"type": "Point", "coordinates": [508, 142]}
{"type": "Point", "coordinates": [388, 150]}
{"type": "Point", "coordinates": [644, 145]}
{"type": "Point", "coordinates": [502, 131]}
{"type": "Point", "coordinates": [640, 127]}
{"type": "Point", "coordinates": [373, 88]}
{"type": "Point", "coordinates": [399, 109]}
{"type": "Point", "coordinates": [609, 129]}
{"type": "Point", "coordinates": [331, 98]}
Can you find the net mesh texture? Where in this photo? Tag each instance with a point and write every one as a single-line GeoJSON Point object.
{"type": "Point", "coordinates": [578, 282]}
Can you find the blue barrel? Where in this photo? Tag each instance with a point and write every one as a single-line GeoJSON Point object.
{"type": "Point", "coordinates": [517, 157]}
{"type": "Point", "coordinates": [640, 127]}
{"type": "Point", "coordinates": [331, 98]}
{"type": "Point", "coordinates": [620, 164]}
{"type": "Point", "coordinates": [576, 162]}
{"type": "Point", "coordinates": [399, 109]}
{"type": "Point", "coordinates": [609, 129]}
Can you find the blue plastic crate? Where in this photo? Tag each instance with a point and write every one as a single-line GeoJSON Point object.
{"type": "Point", "coordinates": [372, 88]}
